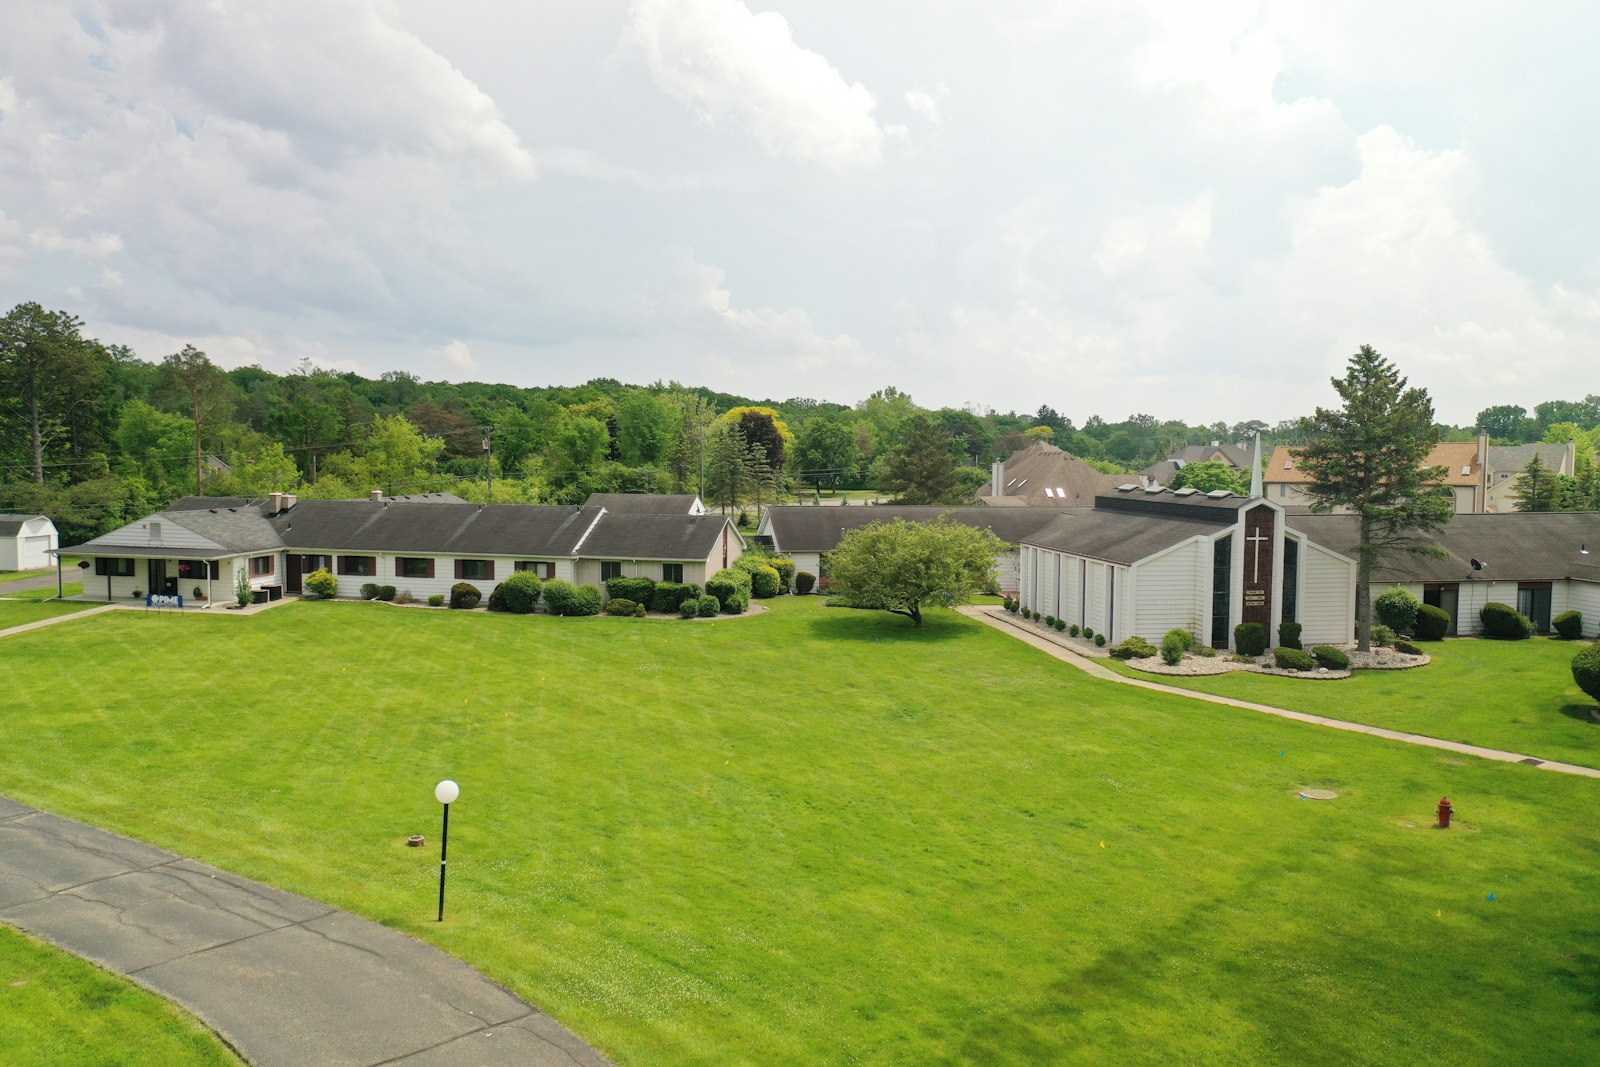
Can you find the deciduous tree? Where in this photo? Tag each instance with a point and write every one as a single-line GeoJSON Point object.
{"type": "Point", "coordinates": [205, 392]}
{"type": "Point", "coordinates": [903, 567]}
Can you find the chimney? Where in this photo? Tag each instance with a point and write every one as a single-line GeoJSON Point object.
{"type": "Point", "coordinates": [377, 494]}
{"type": "Point", "coordinates": [289, 501]}
{"type": "Point", "coordinates": [997, 478]}
{"type": "Point", "coordinates": [276, 505]}
{"type": "Point", "coordinates": [1215, 444]}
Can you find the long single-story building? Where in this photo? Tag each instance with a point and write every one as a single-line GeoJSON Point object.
{"type": "Point", "coordinates": [26, 542]}
{"type": "Point", "coordinates": [423, 546]}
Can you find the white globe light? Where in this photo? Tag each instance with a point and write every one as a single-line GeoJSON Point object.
{"type": "Point", "coordinates": [446, 792]}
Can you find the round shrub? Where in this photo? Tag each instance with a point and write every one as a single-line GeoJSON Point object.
{"type": "Point", "coordinates": [435, 600]}
{"type": "Point", "coordinates": [322, 584]}
{"type": "Point", "coordinates": [1292, 659]}
{"type": "Point", "coordinates": [690, 607]}
{"type": "Point", "coordinates": [1250, 638]}
{"type": "Point", "coordinates": [520, 592]}
{"type": "Point", "coordinates": [1182, 637]}
{"type": "Point", "coordinates": [1204, 651]}
{"type": "Point", "coordinates": [1072, 631]}
{"type": "Point", "coordinates": [785, 569]}
{"type": "Point", "coordinates": [1407, 648]}
{"type": "Point", "coordinates": [639, 611]}
{"type": "Point", "coordinates": [369, 590]}
{"type": "Point", "coordinates": [586, 600]}
{"type": "Point", "coordinates": [1049, 620]}
{"type": "Point", "coordinates": [1397, 609]}
{"type": "Point", "coordinates": [620, 605]}
{"type": "Point", "coordinates": [1289, 634]}
{"type": "Point", "coordinates": [805, 581]}
{"type": "Point", "coordinates": [1006, 603]}
{"type": "Point", "coordinates": [1134, 647]}
{"type": "Point", "coordinates": [1173, 646]}
{"type": "Point", "coordinates": [1061, 624]}
{"type": "Point", "coordinates": [1503, 621]}
{"type": "Point", "coordinates": [558, 594]}
{"type": "Point", "coordinates": [1332, 658]}
{"type": "Point", "coordinates": [763, 582]}
{"type": "Point", "coordinates": [497, 599]}
{"type": "Point", "coordinates": [1100, 640]}
{"type": "Point", "coordinates": [728, 586]}
{"type": "Point", "coordinates": [386, 593]}
{"type": "Point", "coordinates": [1088, 633]}
{"type": "Point", "coordinates": [465, 596]}
{"type": "Point", "coordinates": [637, 590]}
{"type": "Point", "coordinates": [1586, 671]}
{"type": "Point", "coordinates": [1569, 624]}
{"type": "Point", "coordinates": [1432, 623]}
{"type": "Point", "coordinates": [709, 607]}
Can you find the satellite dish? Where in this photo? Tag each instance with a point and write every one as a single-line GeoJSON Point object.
{"type": "Point", "coordinates": [1479, 564]}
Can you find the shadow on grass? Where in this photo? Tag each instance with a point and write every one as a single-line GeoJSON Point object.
{"type": "Point", "coordinates": [870, 624]}
{"type": "Point", "coordinates": [1582, 712]}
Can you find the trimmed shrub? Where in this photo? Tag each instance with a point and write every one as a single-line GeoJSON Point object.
{"type": "Point", "coordinates": [1006, 603]}
{"type": "Point", "coordinates": [1182, 636]}
{"type": "Point", "coordinates": [1332, 658]}
{"type": "Point", "coordinates": [1397, 609]}
{"type": "Point", "coordinates": [369, 590]}
{"type": "Point", "coordinates": [1382, 635]}
{"type": "Point", "coordinates": [1586, 671]}
{"type": "Point", "coordinates": [520, 592]}
{"type": "Point", "coordinates": [709, 607]}
{"type": "Point", "coordinates": [1503, 621]}
{"type": "Point", "coordinates": [690, 607]}
{"type": "Point", "coordinates": [1432, 623]}
{"type": "Point", "coordinates": [1088, 633]}
{"type": "Point", "coordinates": [1173, 646]}
{"type": "Point", "coordinates": [620, 605]}
{"type": "Point", "coordinates": [322, 584]}
{"type": "Point", "coordinates": [1134, 647]}
{"type": "Point", "coordinates": [1569, 624]}
{"type": "Point", "coordinates": [497, 599]}
{"type": "Point", "coordinates": [669, 596]}
{"type": "Point", "coordinates": [435, 600]}
{"type": "Point", "coordinates": [1292, 659]}
{"type": "Point", "coordinates": [1250, 638]}
{"type": "Point", "coordinates": [1072, 631]}
{"type": "Point", "coordinates": [1049, 620]}
{"type": "Point", "coordinates": [386, 593]}
{"type": "Point", "coordinates": [764, 582]}
{"type": "Point", "coordinates": [639, 611]}
{"type": "Point", "coordinates": [1100, 640]}
{"type": "Point", "coordinates": [465, 596]}
{"type": "Point", "coordinates": [637, 590]}
{"type": "Point", "coordinates": [1289, 634]}
{"type": "Point", "coordinates": [785, 569]}
{"type": "Point", "coordinates": [1407, 648]}
{"type": "Point", "coordinates": [1061, 624]}
{"type": "Point", "coordinates": [805, 581]}
{"type": "Point", "coordinates": [586, 600]}
{"type": "Point", "coordinates": [729, 585]}
{"type": "Point", "coordinates": [558, 594]}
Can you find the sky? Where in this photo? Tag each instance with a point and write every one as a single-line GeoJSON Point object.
{"type": "Point", "coordinates": [1192, 210]}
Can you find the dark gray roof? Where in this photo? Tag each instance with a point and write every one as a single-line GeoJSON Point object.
{"type": "Point", "coordinates": [672, 537]}
{"type": "Point", "coordinates": [242, 529]}
{"type": "Point", "coordinates": [203, 503]}
{"type": "Point", "coordinates": [1510, 459]}
{"type": "Point", "coordinates": [1518, 546]}
{"type": "Point", "coordinates": [642, 503]}
{"type": "Point", "coordinates": [804, 528]}
{"type": "Point", "coordinates": [11, 525]}
{"type": "Point", "coordinates": [1240, 457]}
{"type": "Point", "coordinates": [459, 529]}
{"type": "Point", "coordinates": [426, 498]}
{"type": "Point", "coordinates": [1179, 503]}
{"type": "Point", "coordinates": [1107, 534]}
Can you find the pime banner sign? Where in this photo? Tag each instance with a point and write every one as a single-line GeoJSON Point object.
{"type": "Point", "coordinates": [163, 600]}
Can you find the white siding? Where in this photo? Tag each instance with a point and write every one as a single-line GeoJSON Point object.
{"type": "Point", "coordinates": [1164, 591]}
{"type": "Point", "coordinates": [1009, 567]}
{"type": "Point", "coordinates": [1585, 597]}
{"type": "Point", "coordinates": [1095, 616]}
{"type": "Point", "coordinates": [1327, 597]}
{"type": "Point", "coordinates": [810, 562]}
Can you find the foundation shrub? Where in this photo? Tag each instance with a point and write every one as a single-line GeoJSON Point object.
{"type": "Point", "coordinates": [1397, 609]}
{"type": "Point", "coordinates": [386, 593]}
{"type": "Point", "coordinates": [369, 590]}
{"type": "Point", "coordinates": [1072, 631]}
{"type": "Point", "coordinates": [1332, 658]}
{"type": "Point", "coordinates": [558, 594]}
{"type": "Point", "coordinates": [1569, 625]}
{"type": "Point", "coordinates": [710, 606]}
{"type": "Point", "coordinates": [1250, 638]}
{"type": "Point", "coordinates": [1292, 659]}
{"type": "Point", "coordinates": [1289, 634]}
{"type": "Point", "coordinates": [1503, 621]}
{"type": "Point", "coordinates": [1432, 623]}
{"type": "Point", "coordinates": [785, 569]}
{"type": "Point", "coordinates": [322, 584]}
{"type": "Point", "coordinates": [1406, 648]}
{"type": "Point", "coordinates": [1134, 647]}
{"type": "Point", "coordinates": [435, 600]}
{"type": "Point", "coordinates": [1061, 624]}
{"type": "Point", "coordinates": [586, 600]}
{"type": "Point", "coordinates": [1586, 671]}
{"type": "Point", "coordinates": [1100, 640]}
{"type": "Point", "coordinates": [730, 586]}
{"type": "Point", "coordinates": [637, 590]}
{"type": "Point", "coordinates": [620, 605]}
{"type": "Point", "coordinates": [465, 596]}
{"type": "Point", "coordinates": [1173, 646]}
{"type": "Point", "coordinates": [805, 581]}
{"type": "Point", "coordinates": [520, 592]}
{"type": "Point", "coordinates": [669, 596]}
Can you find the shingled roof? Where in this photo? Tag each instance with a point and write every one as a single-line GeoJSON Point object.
{"type": "Point", "coordinates": [1519, 547]}
{"type": "Point", "coordinates": [668, 537]}
{"type": "Point", "coordinates": [1458, 458]}
{"type": "Point", "coordinates": [804, 528]}
{"type": "Point", "coordinates": [1042, 466]}
{"type": "Point", "coordinates": [11, 525]}
{"type": "Point", "coordinates": [644, 503]}
{"type": "Point", "coordinates": [425, 528]}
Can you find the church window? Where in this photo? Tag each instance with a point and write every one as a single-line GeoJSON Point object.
{"type": "Point", "coordinates": [1221, 590]}
{"type": "Point", "coordinates": [1291, 578]}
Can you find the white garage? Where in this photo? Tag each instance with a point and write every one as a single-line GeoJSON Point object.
{"type": "Point", "coordinates": [26, 542]}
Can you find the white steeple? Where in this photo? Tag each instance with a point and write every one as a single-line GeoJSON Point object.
{"type": "Point", "coordinates": [1255, 471]}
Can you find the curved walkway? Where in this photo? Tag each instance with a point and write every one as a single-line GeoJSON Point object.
{"type": "Point", "coordinates": [284, 980]}
{"type": "Point", "coordinates": [1002, 620]}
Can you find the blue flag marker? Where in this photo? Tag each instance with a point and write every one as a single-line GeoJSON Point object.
{"type": "Point", "coordinates": [1491, 896]}
{"type": "Point", "coordinates": [1280, 753]}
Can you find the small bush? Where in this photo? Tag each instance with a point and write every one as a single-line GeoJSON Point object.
{"type": "Point", "coordinates": [637, 590]}
{"type": "Point", "coordinates": [1406, 648]}
{"type": "Point", "coordinates": [764, 583]}
{"type": "Point", "coordinates": [586, 600]}
{"type": "Point", "coordinates": [1088, 633]}
{"type": "Point", "coordinates": [1432, 623]}
{"type": "Point", "coordinates": [804, 582]}
{"type": "Point", "coordinates": [1100, 640]}
{"type": "Point", "coordinates": [386, 593]}
{"type": "Point", "coordinates": [1397, 609]}
{"type": "Point", "coordinates": [1569, 624]}
{"type": "Point", "coordinates": [404, 597]}
{"type": "Point", "coordinates": [1006, 603]}
{"type": "Point", "coordinates": [1250, 638]}
{"type": "Point", "coordinates": [1049, 620]}
{"type": "Point", "coordinates": [690, 607]}
{"type": "Point", "coordinates": [435, 600]}
{"type": "Point", "coordinates": [497, 599]}
{"type": "Point", "coordinates": [369, 590]}
{"type": "Point", "coordinates": [1503, 621]}
{"type": "Point", "coordinates": [1289, 634]}
{"type": "Point", "coordinates": [1134, 647]}
{"type": "Point", "coordinates": [1586, 671]}
{"type": "Point", "coordinates": [1072, 631]}
{"type": "Point", "coordinates": [785, 569]}
{"type": "Point", "coordinates": [1382, 635]}
{"type": "Point", "coordinates": [1292, 659]}
{"type": "Point", "coordinates": [710, 606]}
{"type": "Point", "coordinates": [1061, 624]}
{"type": "Point", "coordinates": [730, 586]}
{"type": "Point", "coordinates": [1332, 658]}
{"type": "Point", "coordinates": [1173, 647]}
{"type": "Point", "coordinates": [1204, 651]}
{"type": "Point", "coordinates": [558, 594]}
{"type": "Point", "coordinates": [1237, 658]}
{"type": "Point", "coordinates": [322, 584]}
{"type": "Point", "coordinates": [1183, 637]}
{"type": "Point", "coordinates": [639, 611]}
{"type": "Point", "coordinates": [465, 596]}
{"type": "Point", "coordinates": [520, 592]}
{"type": "Point", "coordinates": [620, 605]}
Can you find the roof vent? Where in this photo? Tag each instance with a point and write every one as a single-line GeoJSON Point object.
{"type": "Point", "coordinates": [1466, 468]}
{"type": "Point", "coordinates": [1126, 488]}
{"type": "Point", "coordinates": [1152, 489]}
{"type": "Point", "coordinates": [1288, 464]}
{"type": "Point", "coordinates": [377, 494]}
{"type": "Point", "coordinates": [1218, 494]}
{"type": "Point", "coordinates": [1187, 490]}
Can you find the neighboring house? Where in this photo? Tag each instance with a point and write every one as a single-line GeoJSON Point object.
{"type": "Point", "coordinates": [1240, 457]}
{"type": "Point", "coordinates": [1285, 481]}
{"type": "Point", "coordinates": [1043, 475]}
{"type": "Point", "coordinates": [1541, 563]}
{"type": "Point", "coordinates": [806, 534]}
{"type": "Point", "coordinates": [647, 503]}
{"type": "Point", "coordinates": [1146, 561]}
{"type": "Point", "coordinates": [1505, 462]}
{"type": "Point", "coordinates": [26, 542]}
{"type": "Point", "coordinates": [422, 546]}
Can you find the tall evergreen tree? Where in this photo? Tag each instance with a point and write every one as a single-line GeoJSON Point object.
{"type": "Point", "coordinates": [1369, 457]}
{"type": "Point", "coordinates": [1535, 488]}
{"type": "Point", "coordinates": [48, 371]}
{"type": "Point", "coordinates": [923, 469]}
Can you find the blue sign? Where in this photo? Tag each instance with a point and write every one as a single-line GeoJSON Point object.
{"type": "Point", "coordinates": [163, 600]}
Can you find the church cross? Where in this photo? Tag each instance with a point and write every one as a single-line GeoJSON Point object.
{"type": "Point", "coordinates": [1256, 538]}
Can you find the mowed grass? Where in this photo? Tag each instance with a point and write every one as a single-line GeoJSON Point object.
{"type": "Point", "coordinates": [821, 836]}
{"type": "Point", "coordinates": [68, 589]}
{"type": "Point", "coordinates": [23, 610]}
{"type": "Point", "coordinates": [57, 1010]}
{"type": "Point", "coordinates": [1512, 695]}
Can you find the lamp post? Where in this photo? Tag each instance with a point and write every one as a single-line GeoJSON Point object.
{"type": "Point", "coordinates": [445, 793]}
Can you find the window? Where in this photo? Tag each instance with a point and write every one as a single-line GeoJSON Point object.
{"type": "Point", "coordinates": [155, 532]}
{"type": "Point", "coordinates": [1221, 590]}
{"type": "Point", "coordinates": [609, 569]}
{"type": "Point", "coordinates": [1291, 578]}
{"type": "Point", "coordinates": [358, 566]}
{"type": "Point", "coordinates": [113, 568]}
{"type": "Point", "coordinates": [672, 572]}
{"type": "Point", "coordinates": [475, 569]}
{"type": "Point", "coordinates": [541, 570]}
{"type": "Point", "coordinates": [413, 567]}
{"type": "Point", "coordinates": [261, 565]}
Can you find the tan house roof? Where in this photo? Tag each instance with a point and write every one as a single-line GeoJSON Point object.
{"type": "Point", "coordinates": [1458, 458]}
{"type": "Point", "coordinates": [1044, 475]}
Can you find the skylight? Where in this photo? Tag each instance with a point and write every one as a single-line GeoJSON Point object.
{"type": "Point", "coordinates": [1466, 468]}
{"type": "Point", "coordinates": [1049, 492]}
{"type": "Point", "coordinates": [1288, 464]}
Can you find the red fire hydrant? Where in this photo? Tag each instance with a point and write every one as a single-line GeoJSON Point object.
{"type": "Point", "coordinates": [1445, 811]}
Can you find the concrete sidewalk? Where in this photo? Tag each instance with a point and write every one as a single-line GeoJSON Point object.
{"type": "Point", "coordinates": [38, 623]}
{"type": "Point", "coordinates": [1002, 620]}
{"type": "Point", "coordinates": [284, 980]}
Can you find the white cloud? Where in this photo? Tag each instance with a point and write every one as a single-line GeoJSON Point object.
{"type": "Point", "coordinates": [926, 102]}
{"type": "Point", "coordinates": [94, 247]}
{"type": "Point", "coordinates": [458, 355]}
{"type": "Point", "coordinates": [730, 63]}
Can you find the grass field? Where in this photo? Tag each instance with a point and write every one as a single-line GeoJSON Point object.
{"type": "Point", "coordinates": [59, 1011]}
{"type": "Point", "coordinates": [67, 589]}
{"type": "Point", "coordinates": [821, 836]}
{"type": "Point", "coordinates": [20, 611]}
{"type": "Point", "coordinates": [1514, 695]}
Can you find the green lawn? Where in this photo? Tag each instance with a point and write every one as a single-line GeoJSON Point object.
{"type": "Point", "coordinates": [1514, 695]}
{"type": "Point", "coordinates": [68, 564]}
{"type": "Point", "coordinates": [67, 589]}
{"type": "Point", "coordinates": [23, 610]}
{"type": "Point", "coordinates": [57, 1010]}
{"type": "Point", "coordinates": [821, 836]}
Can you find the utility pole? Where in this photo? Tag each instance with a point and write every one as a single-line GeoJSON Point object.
{"type": "Point", "coordinates": [488, 447]}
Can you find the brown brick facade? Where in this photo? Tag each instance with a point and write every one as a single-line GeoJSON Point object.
{"type": "Point", "coordinates": [1260, 530]}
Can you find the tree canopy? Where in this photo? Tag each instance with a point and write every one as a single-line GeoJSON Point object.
{"type": "Point", "coordinates": [902, 567]}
